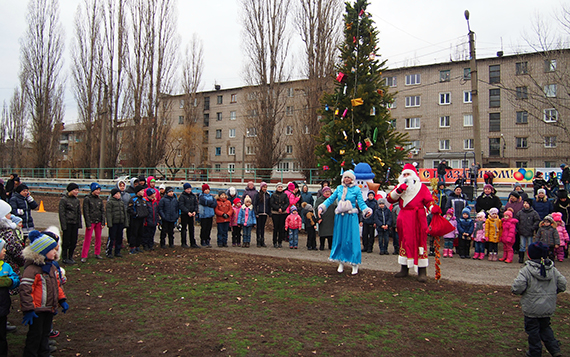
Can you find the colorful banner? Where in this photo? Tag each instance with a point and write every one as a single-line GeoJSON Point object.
{"type": "Point", "coordinates": [502, 175]}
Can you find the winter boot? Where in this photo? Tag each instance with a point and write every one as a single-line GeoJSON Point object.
{"type": "Point", "coordinates": [490, 257]}
{"type": "Point", "coordinates": [340, 268]}
{"type": "Point", "coordinates": [354, 269]}
{"type": "Point", "coordinates": [481, 256]}
{"type": "Point", "coordinates": [403, 272]}
{"type": "Point", "coordinates": [431, 252]}
{"type": "Point", "coordinates": [503, 257]}
{"type": "Point", "coordinates": [422, 275]}
{"type": "Point", "coordinates": [445, 253]}
{"type": "Point", "coordinates": [521, 257]}
{"type": "Point", "coordinates": [495, 257]}
{"type": "Point", "coordinates": [450, 253]}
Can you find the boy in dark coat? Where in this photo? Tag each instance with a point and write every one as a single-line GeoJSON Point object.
{"type": "Point", "coordinates": [117, 219]}
{"type": "Point", "coordinates": [528, 223]}
{"type": "Point", "coordinates": [368, 225]}
{"type": "Point", "coordinates": [188, 204]}
{"type": "Point", "coordinates": [465, 227]}
{"type": "Point", "coordinates": [383, 222]}
{"type": "Point", "coordinates": [151, 221]}
{"type": "Point", "coordinates": [70, 222]}
{"type": "Point", "coordinates": [138, 211]}
{"type": "Point", "coordinates": [168, 211]}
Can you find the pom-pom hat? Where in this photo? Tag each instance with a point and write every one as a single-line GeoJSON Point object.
{"type": "Point", "coordinates": [187, 186]}
{"type": "Point", "coordinates": [205, 187]}
{"type": "Point", "coordinates": [41, 243]}
{"type": "Point", "coordinates": [94, 186]}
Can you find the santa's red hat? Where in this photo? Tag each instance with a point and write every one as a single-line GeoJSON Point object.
{"type": "Point", "coordinates": [411, 169]}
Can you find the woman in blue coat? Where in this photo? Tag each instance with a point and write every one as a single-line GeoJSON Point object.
{"type": "Point", "coordinates": [346, 235]}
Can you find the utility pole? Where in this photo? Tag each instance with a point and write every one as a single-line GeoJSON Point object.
{"type": "Point", "coordinates": [474, 95]}
{"type": "Point", "coordinates": [103, 133]}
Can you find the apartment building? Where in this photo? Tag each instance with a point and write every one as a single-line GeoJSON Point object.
{"type": "Point", "coordinates": [523, 106]}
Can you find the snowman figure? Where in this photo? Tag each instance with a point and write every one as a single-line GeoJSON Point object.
{"type": "Point", "coordinates": [364, 179]}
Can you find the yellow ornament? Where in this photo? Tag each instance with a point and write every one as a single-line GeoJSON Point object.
{"type": "Point", "coordinates": [342, 152]}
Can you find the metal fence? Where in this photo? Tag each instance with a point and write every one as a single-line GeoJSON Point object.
{"type": "Point", "coordinates": [183, 173]}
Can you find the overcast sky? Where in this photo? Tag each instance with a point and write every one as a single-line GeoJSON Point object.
{"type": "Point", "coordinates": [411, 32]}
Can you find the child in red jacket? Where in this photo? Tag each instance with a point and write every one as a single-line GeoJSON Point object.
{"type": "Point", "coordinates": [292, 224]}
{"type": "Point", "coordinates": [508, 237]}
{"type": "Point", "coordinates": [234, 226]}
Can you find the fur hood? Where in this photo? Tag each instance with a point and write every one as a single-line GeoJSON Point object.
{"type": "Point", "coordinates": [33, 257]}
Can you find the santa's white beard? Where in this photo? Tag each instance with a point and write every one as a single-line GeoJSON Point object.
{"type": "Point", "coordinates": [414, 185]}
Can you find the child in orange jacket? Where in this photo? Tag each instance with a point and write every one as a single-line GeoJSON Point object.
{"type": "Point", "coordinates": [224, 213]}
{"type": "Point", "coordinates": [493, 233]}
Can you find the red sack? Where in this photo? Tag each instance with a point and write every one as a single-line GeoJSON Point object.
{"type": "Point", "coordinates": [439, 226]}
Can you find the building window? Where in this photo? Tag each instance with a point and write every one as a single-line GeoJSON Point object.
{"type": "Point", "coordinates": [522, 117]}
{"type": "Point", "coordinates": [444, 145]}
{"type": "Point", "coordinates": [289, 130]}
{"type": "Point", "coordinates": [494, 122]}
{"type": "Point", "coordinates": [220, 99]}
{"type": "Point", "coordinates": [231, 168]}
{"type": "Point", "coordinates": [468, 144]}
{"type": "Point", "coordinates": [218, 133]}
{"type": "Point", "coordinates": [522, 164]}
{"type": "Point", "coordinates": [550, 141]}
{"type": "Point", "coordinates": [412, 123]}
{"type": "Point", "coordinates": [180, 119]}
{"type": "Point", "coordinates": [444, 98]}
{"type": "Point", "coordinates": [494, 98]}
{"type": "Point", "coordinates": [248, 168]}
{"type": "Point", "coordinates": [391, 82]}
{"type": "Point", "coordinates": [550, 90]}
{"type": "Point", "coordinates": [253, 113]}
{"type": "Point", "coordinates": [232, 150]}
{"type": "Point", "coordinates": [495, 74]}
{"type": "Point", "coordinates": [251, 132]}
{"type": "Point", "coordinates": [290, 92]}
{"type": "Point", "coordinates": [250, 150]}
{"type": "Point", "coordinates": [467, 98]}
{"type": "Point", "coordinates": [445, 76]}
{"type": "Point", "coordinates": [466, 73]}
{"type": "Point", "coordinates": [550, 65]}
{"type": "Point", "coordinates": [233, 98]}
{"type": "Point", "coordinates": [412, 79]}
{"type": "Point", "coordinates": [219, 116]}
{"type": "Point", "coordinates": [233, 115]}
{"type": "Point", "coordinates": [467, 119]}
{"type": "Point", "coordinates": [495, 147]}
{"type": "Point", "coordinates": [289, 110]}
{"type": "Point", "coordinates": [232, 133]}
{"type": "Point", "coordinates": [217, 167]}
{"type": "Point", "coordinates": [521, 68]}
{"type": "Point", "coordinates": [218, 150]}
{"type": "Point", "coordinates": [521, 143]}
{"type": "Point", "coordinates": [413, 101]}
{"type": "Point", "coordinates": [283, 166]}
{"type": "Point", "coordinates": [522, 93]}
{"type": "Point", "coordinates": [206, 103]}
{"type": "Point", "coordinates": [289, 149]}
{"type": "Point", "coordinates": [550, 164]}
{"type": "Point", "coordinates": [444, 121]}
{"type": "Point", "coordinates": [206, 119]}
{"type": "Point", "coordinates": [550, 115]}
{"type": "Point", "coordinates": [181, 104]}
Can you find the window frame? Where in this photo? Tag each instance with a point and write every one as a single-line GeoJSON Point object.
{"type": "Point", "coordinates": [521, 142]}
{"type": "Point", "coordinates": [443, 120]}
{"type": "Point", "coordinates": [446, 145]}
{"type": "Point", "coordinates": [231, 150]}
{"type": "Point", "coordinates": [494, 122]}
{"type": "Point", "coordinates": [521, 117]}
{"type": "Point", "coordinates": [550, 90]}
{"type": "Point", "coordinates": [468, 144]}
{"type": "Point", "coordinates": [218, 133]}
{"type": "Point", "coordinates": [413, 79]}
{"type": "Point", "coordinates": [231, 168]}
{"type": "Point", "coordinates": [233, 115]}
{"type": "Point", "coordinates": [550, 142]}
{"type": "Point", "coordinates": [494, 73]}
{"type": "Point", "coordinates": [232, 133]}
{"type": "Point", "coordinates": [548, 115]}
{"type": "Point", "coordinates": [220, 99]}
{"type": "Point", "coordinates": [444, 98]}
{"type": "Point", "coordinates": [219, 116]}
{"type": "Point", "coordinates": [522, 92]}
{"type": "Point", "coordinates": [391, 81]}
{"type": "Point", "coordinates": [445, 75]}
{"type": "Point", "coordinates": [467, 97]}
{"type": "Point", "coordinates": [465, 124]}
{"type": "Point", "coordinates": [289, 149]}
{"type": "Point", "coordinates": [416, 121]}
{"type": "Point", "coordinates": [233, 98]}
{"type": "Point", "coordinates": [494, 98]}
{"type": "Point", "coordinates": [288, 130]}
{"type": "Point", "coordinates": [181, 120]}
{"type": "Point", "coordinates": [521, 68]}
{"type": "Point", "coordinates": [413, 103]}
{"type": "Point", "coordinates": [218, 151]}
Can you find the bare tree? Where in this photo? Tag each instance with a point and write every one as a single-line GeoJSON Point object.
{"type": "Point", "coordinates": [267, 39]}
{"type": "Point", "coordinates": [151, 77]}
{"type": "Point", "coordinates": [14, 123]}
{"type": "Point", "coordinates": [319, 24]}
{"type": "Point", "coordinates": [41, 61]}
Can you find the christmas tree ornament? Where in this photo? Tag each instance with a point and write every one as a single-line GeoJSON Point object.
{"type": "Point", "coordinates": [336, 112]}
{"type": "Point", "coordinates": [329, 149]}
{"type": "Point", "coordinates": [326, 168]}
{"type": "Point", "coordinates": [349, 26]}
{"type": "Point", "coordinates": [356, 102]}
{"type": "Point", "coordinates": [353, 39]}
{"type": "Point", "coordinates": [345, 136]}
{"type": "Point", "coordinates": [372, 111]}
{"type": "Point", "coordinates": [333, 159]}
{"type": "Point", "coordinates": [345, 112]}
{"type": "Point", "coordinates": [372, 56]}
{"type": "Point", "coordinates": [342, 164]}
{"type": "Point", "coordinates": [358, 131]}
{"type": "Point", "coordinates": [367, 142]}
{"type": "Point", "coordinates": [375, 135]}
{"type": "Point", "coordinates": [344, 90]}
{"type": "Point", "coordinates": [353, 70]}
{"type": "Point", "coordinates": [381, 92]}
{"type": "Point", "coordinates": [340, 77]}
{"type": "Point", "coordinates": [359, 146]}
{"type": "Point", "coordinates": [361, 13]}
{"type": "Point", "coordinates": [327, 138]}
{"type": "Point", "coordinates": [326, 107]}
{"type": "Point", "coordinates": [341, 152]}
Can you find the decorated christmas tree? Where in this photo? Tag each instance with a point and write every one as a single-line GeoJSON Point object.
{"type": "Point", "coordinates": [356, 118]}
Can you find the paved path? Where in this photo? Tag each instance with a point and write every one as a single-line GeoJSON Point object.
{"type": "Point", "coordinates": [455, 269]}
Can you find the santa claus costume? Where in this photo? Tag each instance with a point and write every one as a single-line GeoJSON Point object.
{"type": "Point", "coordinates": [346, 234]}
{"type": "Point", "coordinates": [413, 198]}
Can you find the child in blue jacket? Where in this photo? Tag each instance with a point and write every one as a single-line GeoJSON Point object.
{"type": "Point", "coordinates": [383, 222]}
{"type": "Point", "coordinates": [465, 227]}
{"type": "Point", "coordinates": [8, 280]}
{"type": "Point", "coordinates": [246, 218]}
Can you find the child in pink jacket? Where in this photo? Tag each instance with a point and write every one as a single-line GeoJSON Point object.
{"type": "Point", "coordinates": [449, 237]}
{"type": "Point", "coordinates": [292, 224]}
{"type": "Point", "coordinates": [508, 236]}
{"type": "Point", "coordinates": [479, 236]}
{"type": "Point", "coordinates": [563, 233]}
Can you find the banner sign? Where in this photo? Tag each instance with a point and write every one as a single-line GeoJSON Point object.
{"type": "Point", "coordinates": [502, 175]}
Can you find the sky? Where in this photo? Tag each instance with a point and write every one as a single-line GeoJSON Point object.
{"type": "Point", "coordinates": [412, 32]}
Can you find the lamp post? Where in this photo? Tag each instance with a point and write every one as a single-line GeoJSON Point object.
{"type": "Point", "coordinates": [474, 93]}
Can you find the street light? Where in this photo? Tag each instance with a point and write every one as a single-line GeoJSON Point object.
{"type": "Point", "coordinates": [474, 93]}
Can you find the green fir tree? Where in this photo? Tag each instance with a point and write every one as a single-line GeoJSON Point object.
{"type": "Point", "coordinates": [352, 132]}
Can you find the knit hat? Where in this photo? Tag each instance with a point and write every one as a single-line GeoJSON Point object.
{"type": "Point", "coordinates": [508, 214]}
{"type": "Point", "coordinates": [72, 186]}
{"type": "Point", "coordinates": [450, 211]}
{"type": "Point", "coordinates": [162, 187]}
{"type": "Point", "coordinates": [517, 184]}
{"type": "Point", "coordinates": [562, 194]}
{"type": "Point", "coordinates": [515, 194]}
{"type": "Point", "coordinates": [187, 185]}
{"type": "Point", "coordinates": [326, 188]}
{"type": "Point", "coordinates": [142, 178]}
{"type": "Point", "coordinates": [293, 208]}
{"type": "Point", "coordinates": [371, 192]}
{"type": "Point", "coordinates": [205, 187]}
{"type": "Point", "coordinates": [21, 188]}
{"type": "Point", "coordinates": [541, 190]}
{"type": "Point", "coordinates": [94, 186]}
{"type": "Point", "coordinates": [279, 184]}
{"type": "Point", "coordinates": [563, 166]}
{"type": "Point", "coordinates": [549, 219]}
{"type": "Point", "coordinates": [290, 186]}
{"type": "Point", "coordinates": [488, 186]}
{"type": "Point", "coordinates": [150, 191]}
{"type": "Point", "coordinates": [481, 215]}
{"type": "Point", "coordinates": [5, 208]}
{"type": "Point", "coordinates": [237, 200]}
{"type": "Point", "coordinates": [41, 243]}
{"type": "Point", "coordinates": [349, 173]}
{"type": "Point", "coordinates": [441, 183]}
{"type": "Point", "coordinates": [458, 187]}
{"type": "Point", "coordinates": [529, 201]}
{"type": "Point", "coordinates": [247, 199]}
{"type": "Point", "coordinates": [168, 189]}
{"type": "Point", "coordinates": [494, 210]}
{"type": "Point", "coordinates": [262, 184]}
{"type": "Point", "coordinates": [309, 208]}
{"type": "Point", "coordinates": [466, 210]}
{"type": "Point", "coordinates": [115, 191]}
{"type": "Point", "coordinates": [382, 200]}
{"type": "Point", "coordinates": [53, 232]}
{"type": "Point", "coordinates": [537, 250]}
{"type": "Point", "coordinates": [232, 191]}
{"type": "Point", "coordinates": [138, 188]}
{"type": "Point", "coordinates": [556, 216]}
{"type": "Point", "coordinates": [150, 179]}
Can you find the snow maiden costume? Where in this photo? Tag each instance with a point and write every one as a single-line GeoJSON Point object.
{"type": "Point", "coordinates": [346, 235]}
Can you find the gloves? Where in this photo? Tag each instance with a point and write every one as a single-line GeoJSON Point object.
{"type": "Point", "coordinates": [20, 212]}
{"type": "Point", "coordinates": [5, 282]}
{"type": "Point", "coordinates": [225, 215]}
{"type": "Point", "coordinates": [435, 209]}
{"type": "Point", "coordinates": [29, 318]}
{"type": "Point", "coordinates": [64, 307]}
{"type": "Point", "coordinates": [30, 199]}
{"type": "Point", "coordinates": [401, 188]}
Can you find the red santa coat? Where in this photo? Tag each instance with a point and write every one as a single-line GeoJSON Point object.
{"type": "Point", "coordinates": [412, 227]}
